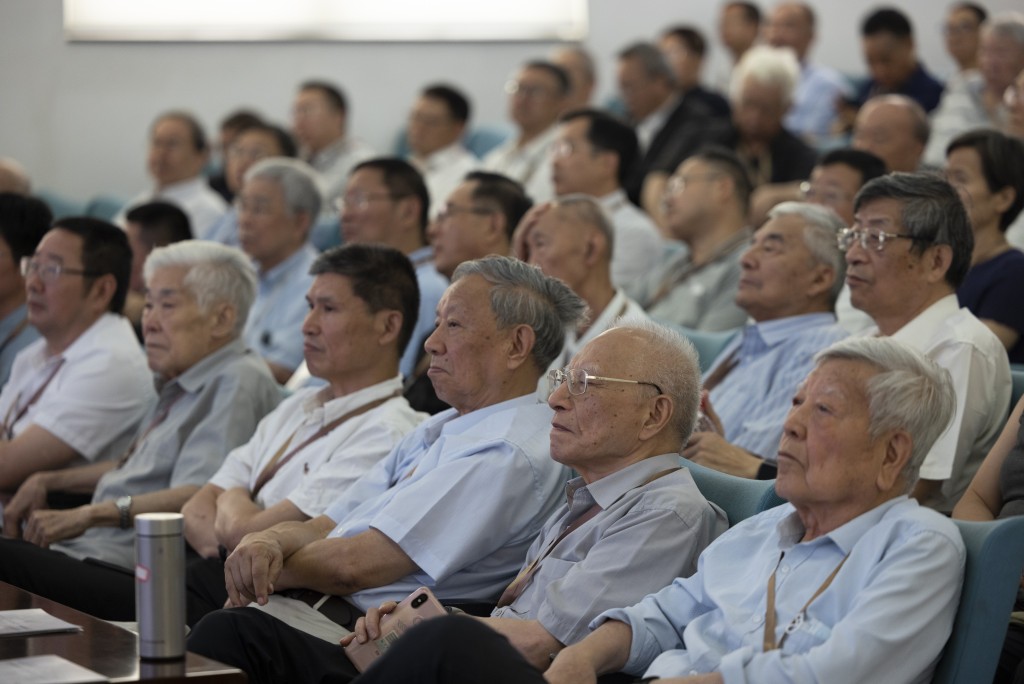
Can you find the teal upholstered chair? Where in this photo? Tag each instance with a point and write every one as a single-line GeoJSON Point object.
{"type": "Point", "coordinates": [709, 344]}
{"type": "Point", "coordinates": [104, 207]}
{"type": "Point", "coordinates": [60, 205]}
{"type": "Point", "coordinates": [739, 497]}
{"type": "Point", "coordinates": [995, 556]}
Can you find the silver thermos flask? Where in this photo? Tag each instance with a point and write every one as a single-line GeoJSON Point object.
{"type": "Point", "coordinates": [160, 585]}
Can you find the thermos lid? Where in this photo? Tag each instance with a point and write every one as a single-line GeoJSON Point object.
{"type": "Point", "coordinates": [159, 524]}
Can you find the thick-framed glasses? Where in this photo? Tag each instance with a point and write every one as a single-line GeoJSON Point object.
{"type": "Point", "coordinates": [578, 379]}
{"type": "Point", "coordinates": [873, 240]}
{"type": "Point", "coordinates": [449, 210]}
{"type": "Point", "coordinates": [50, 272]}
{"type": "Point", "coordinates": [361, 202]}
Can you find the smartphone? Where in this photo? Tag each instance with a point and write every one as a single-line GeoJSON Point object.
{"type": "Point", "coordinates": [418, 606]}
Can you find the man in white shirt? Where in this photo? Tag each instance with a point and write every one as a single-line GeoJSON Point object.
{"type": "Point", "coordinates": [437, 124]}
{"type": "Point", "coordinates": [77, 395]}
{"type": "Point", "coordinates": [537, 97]}
{"type": "Point", "coordinates": [907, 252]}
{"type": "Point", "coordinates": [178, 152]}
{"type": "Point", "coordinates": [593, 154]}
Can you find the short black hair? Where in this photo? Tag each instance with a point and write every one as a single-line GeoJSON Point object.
{"type": "Point", "coordinates": [334, 94]}
{"type": "Point", "coordinates": [728, 162]}
{"type": "Point", "coordinates": [887, 20]}
{"type": "Point", "coordinates": [1000, 157]}
{"type": "Point", "coordinates": [651, 59]}
{"type": "Point", "coordinates": [690, 36]}
{"type": "Point", "coordinates": [505, 194]}
{"type": "Point", "coordinates": [381, 276]}
{"type": "Point", "coordinates": [867, 164]}
{"type": "Point", "coordinates": [402, 180]}
{"type": "Point", "coordinates": [240, 119]}
{"type": "Point", "coordinates": [195, 129]}
{"type": "Point", "coordinates": [979, 12]}
{"type": "Point", "coordinates": [454, 100]}
{"type": "Point", "coordinates": [608, 134]}
{"type": "Point", "coordinates": [560, 75]}
{"type": "Point", "coordinates": [105, 250]}
{"type": "Point", "coordinates": [160, 223]}
{"type": "Point", "coordinates": [23, 223]}
{"type": "Point", "coordinates": [284, 139]}
{"type": "Point", "coordinates": [751, 12]}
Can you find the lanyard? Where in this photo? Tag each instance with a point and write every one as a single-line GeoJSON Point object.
{"type": "Point", "coordinates": [8, 425]}
{"type": "Point", "coordinates": [158, 418]}
{"type": "Point", "coordinates": [769, 612]}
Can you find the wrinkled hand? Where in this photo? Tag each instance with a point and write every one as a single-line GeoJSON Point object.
{"type": "Point", "coordinates": [251, 570]}
{"type": "Point", "coordinates": [46, 527]}
{"type": "Point", "coordinates": [368, 628]}
{"type": "Point", "coordinates": [520, 246]}
{"type": "Point", "coordinates": [712, 450]}
{"type": "Point", "coordinates": [31, 496]}
{"type": "Point", "coordinates": [568, 669]}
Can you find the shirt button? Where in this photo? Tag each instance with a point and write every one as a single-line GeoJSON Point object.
{"type": "Point", "coordinates": [784, 569]}
{"type": "Point", "coordinates": [757, 619]}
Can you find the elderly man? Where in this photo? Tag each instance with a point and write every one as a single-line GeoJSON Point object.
{"type": "Point", "coordinates": [404, 524]}
{"type": "Point", "coordinates": [800, 592]}
{"type": "Point", "coordinates": [76, 396]}
{"type": "Point", "coordinates": [277, 206]}
{"type": "Point", "coordinates": [477, 220]}
{"type": "Point", "coordinates": [907, 252]}
{"type": "Point", "coordinates": [23, 223]}
{"type": "Point", "coordinates": [320, 126]}
{"type": "Point", "coordinates": [178, 152]}
{"type": "Point", "coordinates": [706, 202]}
{"type": "Point", "coordinates": [213, 391]}
{"type": "Point", "coordinates": [537, 96]}
{"type": "Point", "coordinates": [593, 155]}
{"type": "Point", "coordinates": [362, 308]}
{"type": "Point", "coordinates": [895, 129]}
{"type": "Point", "coordinates": [573, 240]}
{"type": "Point", "coordinates": [792, 272]}
{"type": "Point", "coordinates": [436, 126]}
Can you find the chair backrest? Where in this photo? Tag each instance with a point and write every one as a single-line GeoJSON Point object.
{"type": "Point", "coordinates": [1017, 376]}
{"type": "Point", "coordinates": [995, 556]}
{"type": "Point", "coordinates": [709, 344]}
{"type": "Point", "coordinates": [104, 207]}
{"type": "Point", "coordinates": [739, 497]}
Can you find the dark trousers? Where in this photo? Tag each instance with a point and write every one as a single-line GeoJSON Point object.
{"type": "Point", "coordinates": [267, 649]}
{"type": "Point", "coordinates": [204, 587]}
{"type": "Point", "coordinates": [1011, 660]}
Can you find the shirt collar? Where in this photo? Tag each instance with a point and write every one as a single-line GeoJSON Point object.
{"type": "Point", "coordinates": [611, 488]}
{"type": "Point", "coordinates": [195, 378]}
{"type": "Point", "coordinates": [846, 536]}
{"type": "Point", "coordinates": [183, 188]}
{"type": "Point", "coordinates": [288, 266]}
{"type": "Point", "coordinates": [336, 407]}
{"type": "Point", "coordinates": [780, 330]}
{"type": "Point", "coordinates": [922, 326]}
{"type": "Point", "coordinates": [442, 157]}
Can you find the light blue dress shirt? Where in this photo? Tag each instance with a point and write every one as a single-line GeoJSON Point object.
{"type": "Point", "coordinates": [884, 618]}
{"type": "Point", "coordinates": [274, 328]}
{"type": "Point", "coordinates": [463, 496]}
{"type": "Point", "coordinates": [432, 285]}
{"type": "Point", "coordinates": [774, 358]}
{"type": "Point", "coordinates": [225, 230]}
{"type": "Point", "coordinates": [814, 102]}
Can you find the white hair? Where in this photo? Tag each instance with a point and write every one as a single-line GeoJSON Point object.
{"type": "Point", "coordinates": [820, 236]}
{"type": "Point", "coordinates": [768, 66]}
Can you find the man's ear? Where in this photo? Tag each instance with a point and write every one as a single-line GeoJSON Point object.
{"type": "Point", "coordinates": [388, 325]}
{"type": "Point", "coordinates": [658, 417]}
{"type": "Point", "coordinates": [101, 292]}
{"type": "Point", "coordinates": [225, 318]}
{"type": "Point", "coordinates": [899, 447]}
{"type": "Point", "coordinates": [520, 349]}
{"type": "Point", "coordinates": [937, 260]}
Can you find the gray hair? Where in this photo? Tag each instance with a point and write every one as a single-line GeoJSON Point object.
{"type": "Point", "coordinates": [820, 236]}
{"type": "Point", "coordinates": [1006, 25]}
{"type": "Point", "coordinates": [672, 364]}
{"type": "Point", "coordinates": [588, 211]}
{"type": "Point", "coordinates": [216, 273]}
{"type": "Point", "coordinates": [299, 183]}
{"type": "Point", "coordinates": [910, 392]}
{"type": "Point", "coordinates": [523, 295]}
{"type": "Point", "coordinates": [768, 66]}
{"type": "Point", "coordinates": [651, 59]}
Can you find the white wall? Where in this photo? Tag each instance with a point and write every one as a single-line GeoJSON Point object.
{"type": "Point", "coordinates": [76, 114]}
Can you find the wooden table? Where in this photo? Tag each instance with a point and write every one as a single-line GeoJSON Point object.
{"type": "Point", "coordinates": [105, 648]}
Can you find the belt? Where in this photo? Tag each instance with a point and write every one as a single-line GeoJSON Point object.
{"type": "Point", "coordinates": [334, 608]}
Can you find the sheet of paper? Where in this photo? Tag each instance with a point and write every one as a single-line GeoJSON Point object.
{"type": "Point", "coordinates": [30, 621]}
{"type": "Point", "coordinates": [46, 668]}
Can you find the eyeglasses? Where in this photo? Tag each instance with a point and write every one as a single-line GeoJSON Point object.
{"type": "Point", "coordinates": [450, 210]}
{"type": "Point", "coordinates": [818, 195]}
{"type": "Point", "coordinates": [677, 183]}
{"type": "Point", "coordinates": [254, 206]}
{"type": "Point", "coordinates": [526, 89]}
{"type": "Point", "coordinates": [873, 240]}
{"type": "Point", "coordinates": [361, 202]}
{"type": "Point", "coordinates": [50, 272]}
{"type": "Point", "coordinates": [577, 379]}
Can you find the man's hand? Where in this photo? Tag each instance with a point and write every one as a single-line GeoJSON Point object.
{"type": "Point", "coordinates": [566, 668]}
{"type": "Point", "coordinates": [368, 628]}
{"type": "Point", "coordinates": [713, 451]}
{"type": "Point", "coordinates": [31, 496]}
{"type": "Point", "coordinates": [520, 246]}
{"type": "Point", "coordinates": [47, 527]}
{"type": "Point", "coordinates": [252, 568]}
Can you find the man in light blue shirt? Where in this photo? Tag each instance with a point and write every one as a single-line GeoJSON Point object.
{"type": "Point", "coordinates": [792, 273]}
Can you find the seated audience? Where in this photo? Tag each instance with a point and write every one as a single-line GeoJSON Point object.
{"type": "Point", "coordinates": [908, 251]}
{"type": "Point", "coordinates": [76, 395]}
{"type": "Point", "coordinates": [230, 126]}
{"type": "Point", "coordinates": [252, 144]}
{"type": "Point", "coordinates": [579, 66]}
{"type": "Point", "coordinates": [537, 96]}
{"type": "Point", "coordinates": [987, 168]}
{"type": "Point", "coordinates": [320, 127]}
{"type": "Point", "coordinates": [1014, 127]}
{"type": "Point", "coordinates": [792, 272]}
{"type": "Point", "coordinates": [362, 310]}
{"type": "Point", "coordinates": [405, 522]}
{"type": "Point", "coordinates": [212, 392]}
{"type": "Point", "coordinates": [149, 225]}
{"type": "Point", "coordinates": [23, 223]}
{"type": "Point", "coordinates": [684, 49]}
{"type": "Point", "coordinates": [962, 36]}
{"type": "Point", "coordinates": [477, 220]}
{"type": "Point", "coordinates": [277, 206]}
{"type": "Point", "coordinates": [853, 441]}
{"type": "Point", "coordinates": [976, 100]}
{"type": "Point", "coordinates": [706, 205]}
{"type": "Point", "coordinates": [592, 155]}
{"type": "Point", "coordinates": [436, 127]}
{"type": "Point", "coordinates": [895, 129]}
{"type": "Point", "coordinates": [178, 152]}
{"type": "Point", "coordinates": [739, 29]}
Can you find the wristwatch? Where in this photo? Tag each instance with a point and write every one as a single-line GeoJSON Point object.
{"type": "Point", "coordinates": [124, 507]}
